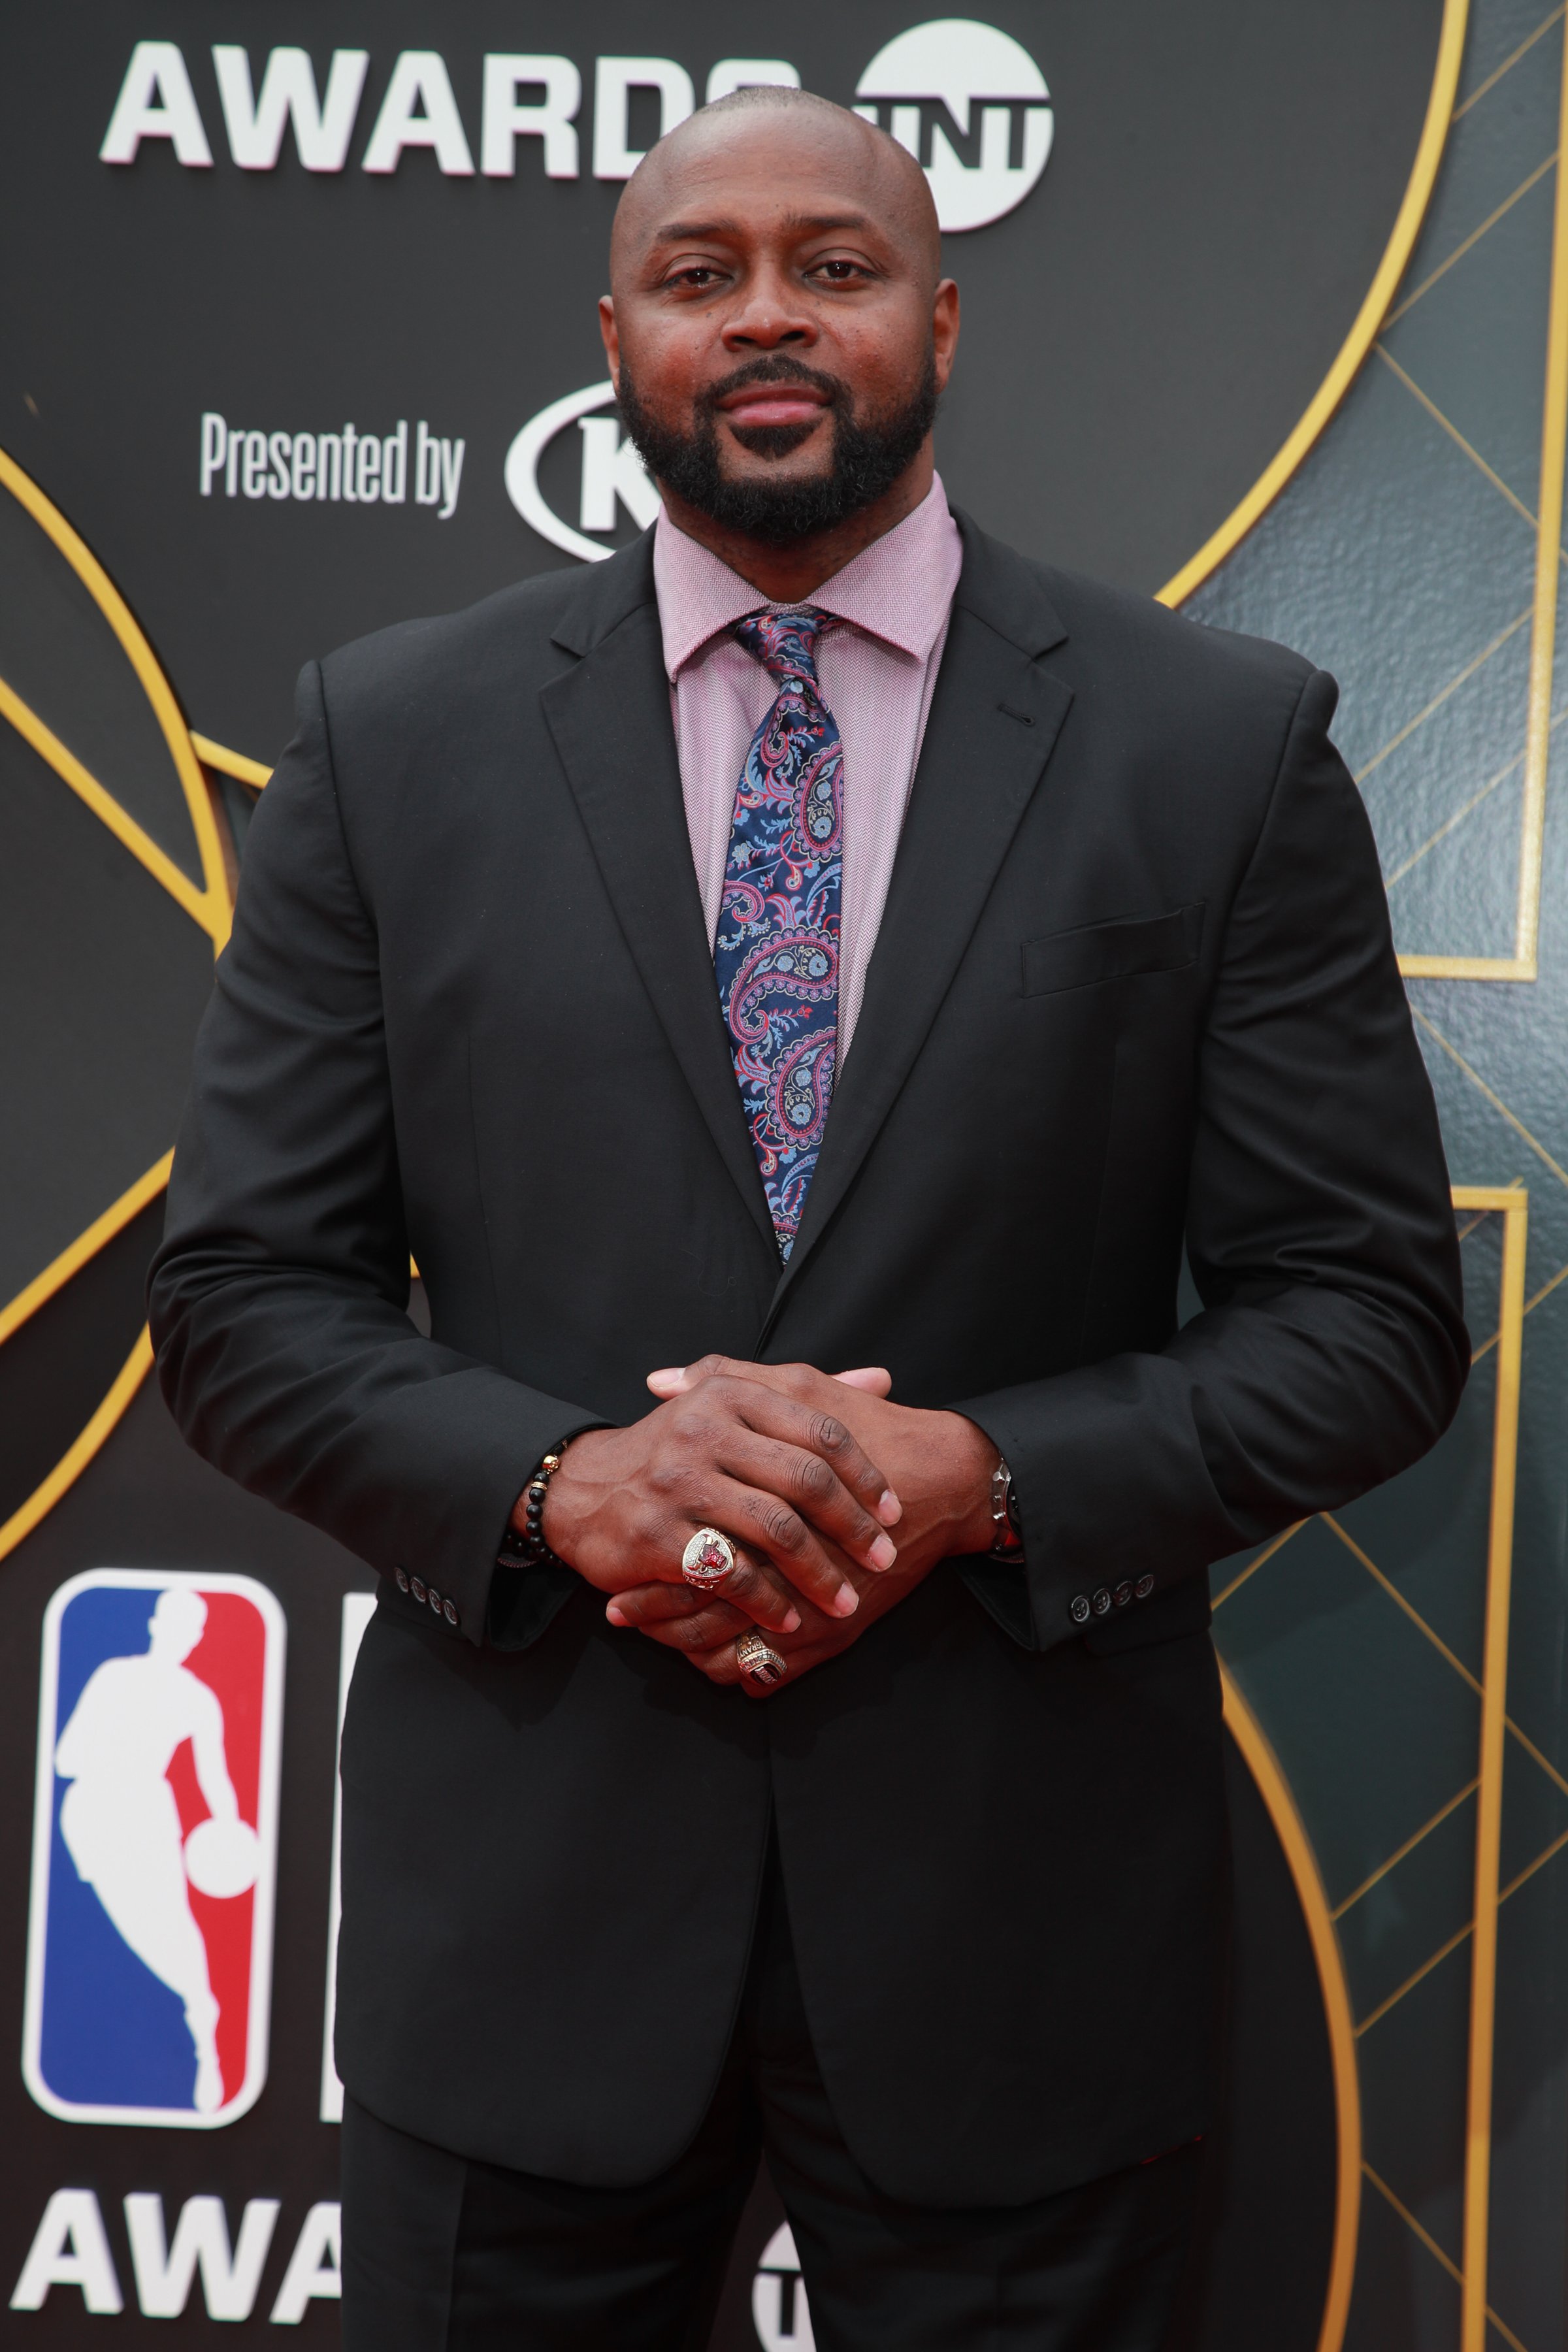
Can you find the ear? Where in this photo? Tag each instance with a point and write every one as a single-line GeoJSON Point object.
{"type": "Point", "coordinates": [611, 337]}
{"type": "Point", "coordinates": [944, 331]}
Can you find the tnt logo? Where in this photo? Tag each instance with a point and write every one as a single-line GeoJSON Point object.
{"type": "Point", "coordinates": [154, 1849]}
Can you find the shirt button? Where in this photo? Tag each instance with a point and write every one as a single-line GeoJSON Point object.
{"type": "Point", "coordinates": [1123, 1594]}
{"type": "Point", "coordinates": [449, 1613]}
{"type": "Point", "coordinates": [401, 1576]}
{"type": "Point", "coordinates": [1101, 1601]}
{"type": "Point", "coordinates": [1078, 1608]}
{"type": "Point", "coordinates": [418, 1587]}
{"type": "Point", "coordinates": [1144, 1587]}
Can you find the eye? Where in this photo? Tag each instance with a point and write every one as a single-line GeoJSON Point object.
{"type": "Point", "coordinates": [697, 276]}
{"type": "Point", "coordinates": [839, 271]}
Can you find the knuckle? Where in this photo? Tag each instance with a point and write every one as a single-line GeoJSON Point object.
{"type": "Point", "coordinates": [783, 1529]}
{"type": "Point", "coordinates": [647, 1531]}
{"type": "Point", "coordinates": [814, 1478]}
{"type": "Point", "coordinates": [827, 1435]}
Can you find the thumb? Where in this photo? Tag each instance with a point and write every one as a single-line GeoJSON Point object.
{"type": "Point", "coordinates": [875, 1379]}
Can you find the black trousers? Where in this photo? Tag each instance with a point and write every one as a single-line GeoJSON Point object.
{"type": "Point", "coordinates": [443, 2254]}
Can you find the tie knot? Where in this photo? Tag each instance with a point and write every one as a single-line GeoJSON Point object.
{"type": "Point", "coordinates": [785, 642]}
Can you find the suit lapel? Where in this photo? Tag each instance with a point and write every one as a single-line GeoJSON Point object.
{"type": "Point", "coordinates": [609, 717]}
{"type": "Point", "coordinates": [993, 724]}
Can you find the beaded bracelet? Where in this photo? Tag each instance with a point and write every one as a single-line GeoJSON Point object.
{"type": "Point", "coordinates": [530, 1545]}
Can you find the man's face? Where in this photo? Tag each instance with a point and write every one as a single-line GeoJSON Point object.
{"type": "Point", "coordinates": [777, 334]}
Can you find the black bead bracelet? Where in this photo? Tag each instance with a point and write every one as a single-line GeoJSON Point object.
{"type": "Point", "coordinates": [529, 1544]}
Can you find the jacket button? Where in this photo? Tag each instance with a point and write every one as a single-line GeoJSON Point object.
{"type": "Point", "coordinates": [1078, 1608]}
{"type": "Point", "coordinates": [418, 1587]}
{"type": "Point", "coordinates": [1123, 1594]}
{"type": "Point", "coordinates": [435, 1601]}
{"type": "Point", "coordinates": [1101, 1601]}
{"type": "Point", "coordinates": [449, 1613]}
{"type": "Point", "coordinates": [1144, 1587]}
{"type": "Point", "coordinates": [401, 1576]}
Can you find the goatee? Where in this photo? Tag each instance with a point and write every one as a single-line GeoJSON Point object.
{"type": "Point", "coordinates": [870, 453]}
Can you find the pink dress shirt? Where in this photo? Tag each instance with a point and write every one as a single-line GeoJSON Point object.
{"type": "Point", "coordinates": [877, 672]}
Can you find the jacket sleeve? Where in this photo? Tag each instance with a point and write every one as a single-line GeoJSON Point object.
{"type": "Point", "coordinates": [1330, 1351]}
{"type": "Point", "coordinates": [277, 1300]}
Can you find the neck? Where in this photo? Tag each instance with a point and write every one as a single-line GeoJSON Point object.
{"type": "Point", "coordinates": [787, 574]}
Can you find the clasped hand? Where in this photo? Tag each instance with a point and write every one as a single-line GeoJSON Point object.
{"type": "Point", "coordinates": [807, 1473]}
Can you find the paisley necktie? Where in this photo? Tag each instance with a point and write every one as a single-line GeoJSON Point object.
{"type": "Point", "coordinates": [776, 952]}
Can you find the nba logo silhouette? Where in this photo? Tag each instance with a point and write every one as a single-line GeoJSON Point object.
{"type": "Point", "coordinates": [154, 1849]}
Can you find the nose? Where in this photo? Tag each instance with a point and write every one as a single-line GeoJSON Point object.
{"type": "Point", "coordinates": [771, 316]}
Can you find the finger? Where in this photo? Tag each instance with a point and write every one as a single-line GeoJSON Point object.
{"type": "Point", "coordinates": [799, 1405]}
{"type": "Point", "coordinates": [875, 1379]}
{"type": "Point", "coordinates": [800, 1476]}
{"type": "Point", "coordinates": [767, 1525]}
{"type": "Point", "coordinates": [722, 1666]}
{"type": "Point", "coordinates": [709, 1629]}
{"type": "Point", "coordinates": [645, 1603]}
{"type": "Point", "coordinates": [754, 1590]}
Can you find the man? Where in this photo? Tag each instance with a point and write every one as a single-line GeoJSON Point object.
{"type": "Point", "coordinates": [816, 942]}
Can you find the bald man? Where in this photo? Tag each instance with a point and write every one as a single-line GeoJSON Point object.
{"type": "Point", "coordinates": [796, 987]}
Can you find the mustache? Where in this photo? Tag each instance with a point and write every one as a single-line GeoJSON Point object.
{"type": "Point", "coordinates": [778, 368]}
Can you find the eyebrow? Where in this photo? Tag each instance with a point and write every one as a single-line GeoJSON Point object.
{"type": "Point", "coordinates": [798, 223]}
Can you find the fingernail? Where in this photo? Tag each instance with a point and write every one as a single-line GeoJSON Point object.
{"type": "Point", "coordinates": [791, 1623]}
{"type": "Point", "coordinates": [884, 1552]}
{"type": "Point", "coordinates": [889, 1510]}
{"type": "Point", "coordinates": [614, 1614]}
{"type": "Point", "coordinates": [845, 1601]}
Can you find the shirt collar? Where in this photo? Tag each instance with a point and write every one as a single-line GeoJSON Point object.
{"type": "Point", "coordinates": [898, 589]}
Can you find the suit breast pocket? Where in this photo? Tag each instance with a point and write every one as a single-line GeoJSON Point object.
{"type": "Point", "coordinates": [1126, 950]}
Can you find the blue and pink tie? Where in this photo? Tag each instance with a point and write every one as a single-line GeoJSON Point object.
{"type": "Point", "coordinates": [776, 952]}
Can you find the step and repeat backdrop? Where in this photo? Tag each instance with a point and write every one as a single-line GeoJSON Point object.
{"type": "Point", "coordinates": [1266, 313]}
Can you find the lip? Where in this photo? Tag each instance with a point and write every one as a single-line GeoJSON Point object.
{"type": "Point", "coordinates": [773, 403]}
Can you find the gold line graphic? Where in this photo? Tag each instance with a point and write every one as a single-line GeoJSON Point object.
{"type": "Point", "coordinates": [1511, 1202]}
{"type": "Point", "coordinates": [1489, 1822]}
{"type": "Point", "coordinates": [1358, 343]}
{"type": "Point", "coordinates": [86, 1245]}
{"type": "Point", "coordinates": [1454, 435]}
{"type": "Point", "coordinates": [1522, 964]}
{"type": "Point", "coordinates": [1474, 235]}
{"type": "Point", "coordinates": [1496, 1100]}
{"type": "Point", "coordinates": [1508, 64]}
{"type": "Point", "coordinates": [1411, 1981]}
{"type": "Point", "coordinates": [201, 906]}
{"type": "Point", "coordinates": [1438, 700]}
{"type": "Point", "coordinates": [155, 687]}
{"type": "Point", "coordinates": [1433, 2249]}
{"type": "Point", "coordinates": [1264, 1766]}
{"type": "Point", "coordinates": [1531, 1305]}
{"type": "Point", "coordinates": [229, 763]}
{"type": "Point", "coordinates": [74, 1461]}
{"type": "Point", "coordinates": [1264, 1556]}
{"type": "Point", "coordinates": [1397, 1856]}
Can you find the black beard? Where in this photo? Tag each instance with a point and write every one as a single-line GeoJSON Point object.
{"type": "Point", "coordinates": [868, 454]}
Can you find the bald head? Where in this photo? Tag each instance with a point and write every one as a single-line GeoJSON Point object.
{"type": "Point", "coordinates": [804, 142]}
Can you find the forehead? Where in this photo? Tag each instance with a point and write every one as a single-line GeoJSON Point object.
{"type": "Point", "coordinates": [767, 172]}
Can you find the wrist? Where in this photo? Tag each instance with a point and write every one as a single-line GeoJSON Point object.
{"type": "Point", "coordinates": [567, 1495]}
{"type": "Point", "coordinates": [976, 1457]}
{"type": "Point", "coordinates": [528, 1537]}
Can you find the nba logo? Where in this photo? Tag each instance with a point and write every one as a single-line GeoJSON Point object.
{"type": "Point", "coordinates": [154, 1849]}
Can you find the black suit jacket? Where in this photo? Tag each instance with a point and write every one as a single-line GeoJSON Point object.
{"type": "Point", "coordinates": [1133, 985]}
